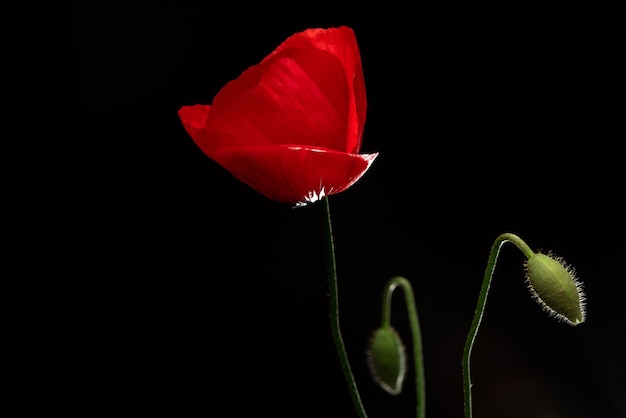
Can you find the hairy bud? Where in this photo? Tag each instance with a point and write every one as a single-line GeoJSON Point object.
{"type": "Point", "coordinates": [554, 285]}
{"type": "Point", "coordinates": [387, 359]}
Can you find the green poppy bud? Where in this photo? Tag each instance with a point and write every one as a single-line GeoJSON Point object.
{"type": "Point", "coordinates": [554, 285]}
{"type": "Point", "coordinates": [387, 359]}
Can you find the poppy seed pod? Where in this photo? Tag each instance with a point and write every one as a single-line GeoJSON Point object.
{"type": "Point", "coordinates": [387, 359]}
{"type": "Point", "coordinates": [554, 285]}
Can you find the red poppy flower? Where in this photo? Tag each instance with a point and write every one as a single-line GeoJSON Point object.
{"type": "Point", "coordinates": [291, 126]}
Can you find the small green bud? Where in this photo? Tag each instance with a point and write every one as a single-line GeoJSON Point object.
{"type": "Point", "coordinates": [387, 359]}
{"type": "Point", "coordinates": [554, 285]}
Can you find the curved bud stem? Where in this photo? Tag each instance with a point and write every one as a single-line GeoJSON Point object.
{"type": "Point", "coordinates": [480, 309]}
{"type": "Point", "coordinates": [334, 311]}
{"type": "Point", "coordinates": [415, 332]}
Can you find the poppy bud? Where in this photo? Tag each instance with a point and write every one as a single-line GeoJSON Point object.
{"type": "Point", "coordinates": [387, 359]}
{"type": "Point", "coordinates": [554, 285]}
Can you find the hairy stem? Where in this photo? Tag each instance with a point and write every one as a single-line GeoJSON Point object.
{"type": "Point", "coordinates": [480, 309]}
{"type": "Point", "coordinates": [415, 332]}
{"type": "Point", "coordinates": [334, 311]}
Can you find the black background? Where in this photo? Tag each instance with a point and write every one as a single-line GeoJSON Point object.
{"type": "Point", "coordinates": [202, 298]}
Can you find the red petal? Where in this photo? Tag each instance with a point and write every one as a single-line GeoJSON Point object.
{"type": "Point", "coordinates": [341, 42]}
{"type": "Point", "coordinates": [280, 102]}
{"type": "Point", "coordinates": [194, 120]}
{"type": "Point", "coordinates": [293, 174]}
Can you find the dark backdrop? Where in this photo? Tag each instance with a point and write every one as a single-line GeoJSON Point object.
{"type": "Point", "coordinates": [203, 299]}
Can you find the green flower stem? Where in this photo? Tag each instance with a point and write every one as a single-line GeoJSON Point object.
{"type": "Point", "coordinates": [415, 331]}
{"type": "Point", "coordinates": [334, 311]}
{"type": "Point", "coordinates": [480, 309]}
